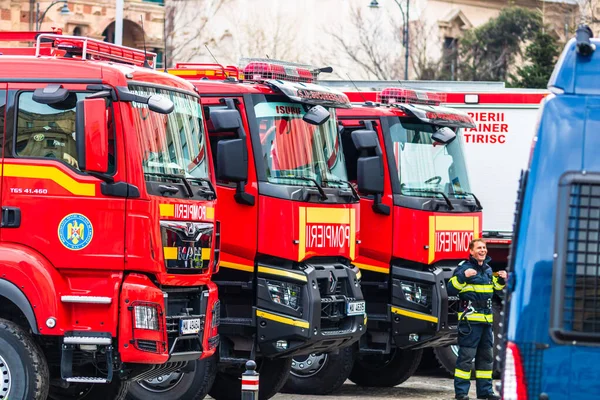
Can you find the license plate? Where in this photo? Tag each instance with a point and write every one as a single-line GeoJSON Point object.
{"type": "Point", "coordinates": [355, 308]}
{"type": "Point", "coordinates": [189, 326]}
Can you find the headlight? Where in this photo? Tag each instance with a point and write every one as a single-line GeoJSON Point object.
{"type": "Point", "coordinates": [415, 293]}
{"type": "Point", "coordinates": [284, 293]}
{"type": "Point", "coordinates": [146, 317]}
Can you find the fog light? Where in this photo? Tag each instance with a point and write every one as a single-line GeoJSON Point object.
{"type": "Point", "coordinates": [281, 345]}
{"type": "Point", "coordinates": [51, 322]}
{"type": "Point", "coordinates": [146, 317]}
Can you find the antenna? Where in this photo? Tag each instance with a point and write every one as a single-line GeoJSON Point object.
{"type": "Point", "coordinates": [146, 64]}
{"type": "Point", "coordinates": [211, 54]}
{"type": "Point", "coordinates": [357, 89]}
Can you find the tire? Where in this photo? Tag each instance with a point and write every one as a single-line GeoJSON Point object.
{"type": "Point", "coordinates": [177, 385]}
{"type": "Point", "coordinates": [447, 357]}
{"type": "Point", "coordinates": [386, 371]}
{"type": "Point", "coordinates": [328, 372]}
{"type": "Point", "coordinates": [115, 390]}
{"type": "Point", "coordinates": [22, 365]}
{"type": "Point", "coordinates": [273, 374]}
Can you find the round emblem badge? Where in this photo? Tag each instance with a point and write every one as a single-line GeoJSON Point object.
{"type": "Point", "coordinates": [75, 231]}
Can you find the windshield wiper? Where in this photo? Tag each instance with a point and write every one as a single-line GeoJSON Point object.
{"type": "Point", "coordinates": [448, 202]}
{"type": "Point", "coordinates": [303, 178]}
{"type": "Point", "coordinates": [186, 183]}
{"type": "Point", "coordinates": [354, 192]}
{"type": "Point", "coordinates": [211, 192]}
{"type": "Point", "coordinates": [474, 197]}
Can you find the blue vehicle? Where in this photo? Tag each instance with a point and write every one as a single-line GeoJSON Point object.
{"type": "Point", "coordinates": [552, 310]}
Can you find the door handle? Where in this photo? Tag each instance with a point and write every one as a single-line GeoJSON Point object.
{"type": "Point", "coordinates": [11, 217]}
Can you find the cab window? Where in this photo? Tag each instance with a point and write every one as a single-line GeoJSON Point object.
{"type": "Point", "coordinates": [48, 131]}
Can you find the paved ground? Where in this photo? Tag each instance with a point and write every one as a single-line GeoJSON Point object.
{"type": "Point", "coordinates": [429, 386]}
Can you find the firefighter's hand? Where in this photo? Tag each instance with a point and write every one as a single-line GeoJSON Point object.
{"type": "Point", "coordinates": [502, 274]}
{"type": "Point", "coordinates": [470, 272]}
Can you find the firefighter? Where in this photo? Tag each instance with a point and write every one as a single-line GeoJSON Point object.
{"type": "Point", "coordinates": [475, 284]}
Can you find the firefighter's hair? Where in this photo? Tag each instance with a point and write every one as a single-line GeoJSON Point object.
{"type": "Point", "coordinates": [473, 241]}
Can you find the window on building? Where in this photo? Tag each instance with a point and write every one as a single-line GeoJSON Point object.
{"type": "Point", "coordinates": [450, 57]}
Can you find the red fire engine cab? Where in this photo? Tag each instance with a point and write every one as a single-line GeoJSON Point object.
{"type": "Point", "coordinates": [414, 231]}
{"type": "Point", "coordinates": [108, 224]}
{"type": "Point", "coordinates": [289, 218]}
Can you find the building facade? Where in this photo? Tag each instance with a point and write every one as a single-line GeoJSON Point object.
{"type": "Point", "coordinates": [92, 18]}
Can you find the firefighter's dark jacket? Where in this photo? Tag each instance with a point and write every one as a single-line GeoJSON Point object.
{"type": "Point", "coordinates": [478, 289]}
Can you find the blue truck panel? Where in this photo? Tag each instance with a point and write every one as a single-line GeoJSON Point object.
{"type": "Point", "coordinates": [555, 272]}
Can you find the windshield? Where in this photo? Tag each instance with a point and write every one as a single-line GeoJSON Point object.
{"type": "Point", "coordinates": [295, 149]}
{"type": "Point", "coordinates": [173, 143]}
{"type": "Point", "coordinates": [425, 169]}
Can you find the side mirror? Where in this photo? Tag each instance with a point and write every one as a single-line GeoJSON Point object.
{"type": "Point", "coordinates": [365, 139]}
{"type": "Point", "coordinates": [91, 133]}
{"type": "Point", "coordinates": [160, 104]}
{"type": "Point", "coordinates": [316, 115]}
{"type": "Point", "coordinates": [369, 173]}
{"type": "Point", "coordinates": [444, 135]}
{"type": "Point", "coordinates": [225, 120]}
{"type": "Point", "coordinates": [51, 94]}
{"type": "Point", "coordinates": [232, 160]}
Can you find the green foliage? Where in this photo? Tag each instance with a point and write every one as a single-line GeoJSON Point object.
{"type": "Point", "coordinates": [540, 56]}
{"type": "Point", "coordinates": [487, 52]}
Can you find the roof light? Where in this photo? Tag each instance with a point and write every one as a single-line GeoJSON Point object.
{"type": "Point", "coordinates": [257, 69]}
{"type": "Point", "coordinates": [411, 96]}
{"type": "Point", "coordinates": [195, 71]}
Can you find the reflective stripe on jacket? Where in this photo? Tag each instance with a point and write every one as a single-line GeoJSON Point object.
{"type": "Point", "coordinates": [478, 288]}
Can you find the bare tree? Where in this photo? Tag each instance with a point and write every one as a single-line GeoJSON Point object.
{"type": "Point", "coordinates": [377, 49]}
{"type": "Point", "coordinates": [375, 52]}
{"type": "Point", "coordinates": [272, 39]}
{"type": "Point", "coordinates": [185, 27]}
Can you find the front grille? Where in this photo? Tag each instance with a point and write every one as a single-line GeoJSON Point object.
{"type": "Point", "coordinates": [147, 345]}
{"type": "Point", "coordinates": [339, 286]}
{"type": "Point", "coordinates": [334, 293]}
{"type": "Point", "coordinates": [186, 246]}
{"type": "Point", "coordinates": [581, 306]}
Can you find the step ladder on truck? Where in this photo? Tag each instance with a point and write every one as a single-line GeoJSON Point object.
{"type": "Point", "coordinates": [415, 231]}
{"type": "Point", "coordinates": [107, 238]}
{"type": "Point", "coordinates": [552, 320]}
{"type": "Point", "coordinates": [290, 219]}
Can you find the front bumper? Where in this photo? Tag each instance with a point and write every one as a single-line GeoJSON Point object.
{"type": "Point", "coordinates": [320, 322]}
{"type": "Point", "coordinates": [414, 325]}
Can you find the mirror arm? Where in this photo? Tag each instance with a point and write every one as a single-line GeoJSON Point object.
{"type": "Point", "coordinates": [241, 197]}
{"type": "Point", "coordinates": [104, 177]}
{"type": "Point", "coordinates": [379, 207]}
{"type": "Point", "coordinates": [126, 96]}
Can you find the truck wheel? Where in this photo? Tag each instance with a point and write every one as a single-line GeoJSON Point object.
{"type": "Point", "coordinates": [23, 368]}
{"type": "Point", "coordinates": [177, 385]}
{"type": "Point", "coordinates": [320, 373]}
{"type": "Point", "coordinates": [115, 390]}
{"type": "Point", "coordinates": [386, 371]}
{"type": "Point", "coordinates": [447, 356]}
{"type": "Point", "coordinates": [273, 374]}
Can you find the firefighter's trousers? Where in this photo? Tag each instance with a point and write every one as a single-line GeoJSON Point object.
{"type": "Point", "coordinates": [477, 344]}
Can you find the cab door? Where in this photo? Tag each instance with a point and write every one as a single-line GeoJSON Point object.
{"type": "Point", "coordinates": [239, 221]}
{"type": "Point", "coordinates": [3, 87]}
{"type": "Point", "coordinates": [376, 229]}
{"type": "Point", "coordinates": [49, 205]}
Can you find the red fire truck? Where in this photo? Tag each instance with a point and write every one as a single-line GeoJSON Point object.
{"type": "Point", "coordinates": [289, 218]}
{"type": "Point", "coordinates": [414, 232]}
{"type": "Point", "coordinates": [108, 225]}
